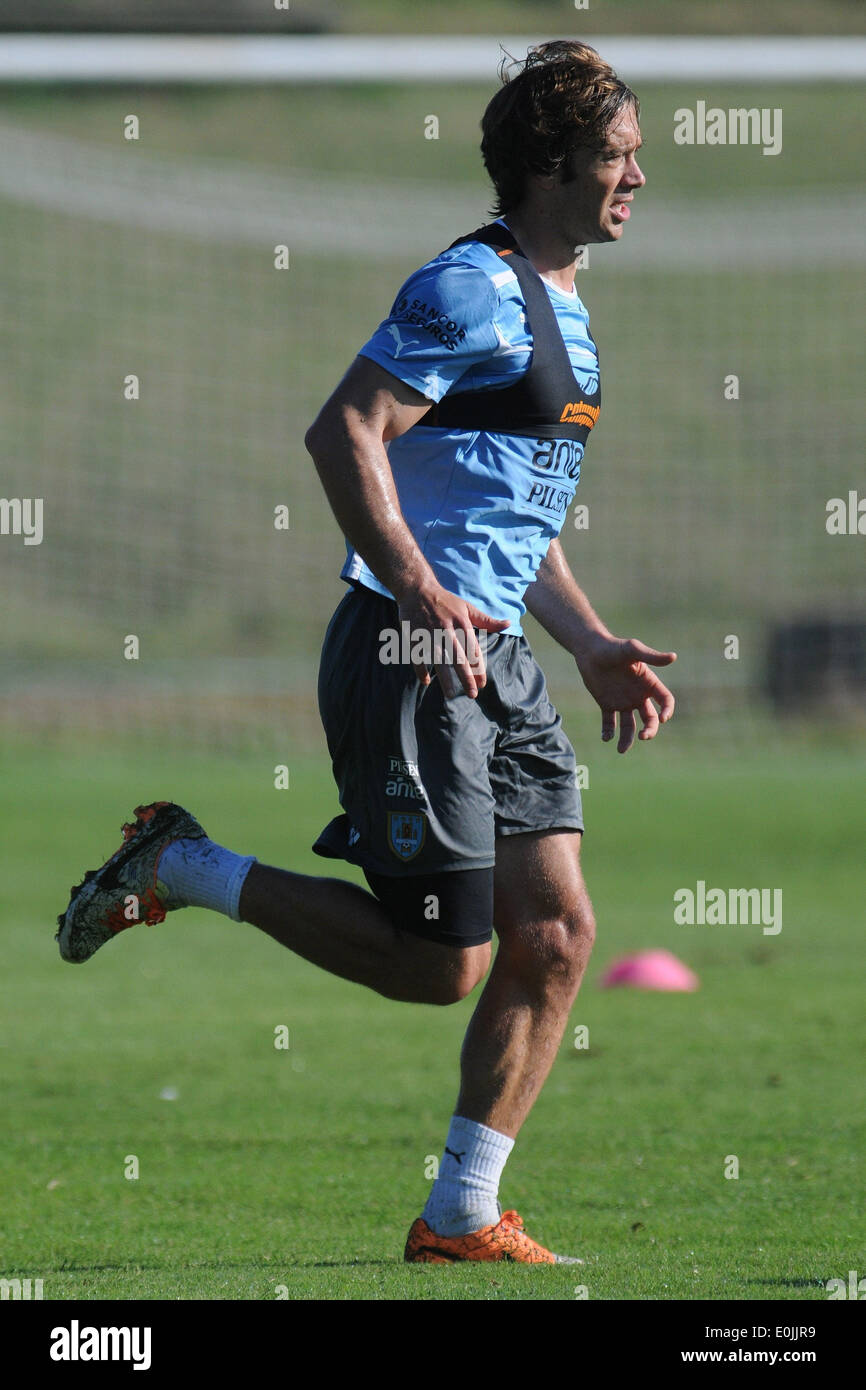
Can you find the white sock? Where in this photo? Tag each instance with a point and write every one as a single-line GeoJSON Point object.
{"type": "Point", "coordinates": [465, 1196]}
{"type": "Point", "coordinates": [198, 873]}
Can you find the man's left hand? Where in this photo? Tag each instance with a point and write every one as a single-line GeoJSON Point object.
{"type": "Point", "coordinates": [615, 671]}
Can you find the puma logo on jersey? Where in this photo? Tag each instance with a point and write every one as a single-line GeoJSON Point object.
{"type": "Point", "coordinates": [400, 344]}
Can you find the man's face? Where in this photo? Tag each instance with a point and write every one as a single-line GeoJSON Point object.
{"type": "Point", "coordinates": [595, 188]}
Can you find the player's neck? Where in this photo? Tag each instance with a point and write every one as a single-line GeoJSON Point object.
{"type": "Point", "coordinates": [545, 249]}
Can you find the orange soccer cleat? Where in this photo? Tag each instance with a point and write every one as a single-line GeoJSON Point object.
{"type": "Point", "coordinates": [126, 890]}
{"type": "Point", "coordinates": [507, 1240]}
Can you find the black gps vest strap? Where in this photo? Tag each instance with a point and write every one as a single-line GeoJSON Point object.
{"type": "Point", "coordinates": [547, 402]}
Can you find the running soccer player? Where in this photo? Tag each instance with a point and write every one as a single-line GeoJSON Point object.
{"type": "Point", "coordinates": [450, 452]}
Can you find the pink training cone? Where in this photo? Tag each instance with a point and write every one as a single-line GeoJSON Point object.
{"type": "Point", "coordinates": [650, 970]}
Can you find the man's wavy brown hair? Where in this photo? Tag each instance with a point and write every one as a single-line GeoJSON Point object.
{"type": "Point", "coordinates": [562, 97]}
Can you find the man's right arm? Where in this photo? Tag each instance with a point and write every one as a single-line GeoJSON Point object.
{"type": "Point", "coordinates": [347, 443]}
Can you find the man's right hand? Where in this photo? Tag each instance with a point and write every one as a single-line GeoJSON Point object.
{"type": "Point", "coordinates": [450, 622]}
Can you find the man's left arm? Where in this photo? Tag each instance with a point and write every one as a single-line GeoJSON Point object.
{"type": "Point", "coordinates": [615, 670]}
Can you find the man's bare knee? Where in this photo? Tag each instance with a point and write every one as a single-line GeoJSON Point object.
{"type": "Point", "coordinates": [567, 943]}
{"type": "Point", "coordinates": [552, 953]}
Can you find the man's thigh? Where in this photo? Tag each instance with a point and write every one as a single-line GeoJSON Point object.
{"type": "Point", "coordinates": [539, 890]}
{"type": "Point", "coordinates": [533, 769]}
{"type": "Point", "coordinates": [411, 767]}
{"type": "Point", "coordinates": [453, 909]}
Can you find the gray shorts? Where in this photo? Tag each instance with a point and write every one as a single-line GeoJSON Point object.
{"type": "Point", "coordinates": [427, 785]}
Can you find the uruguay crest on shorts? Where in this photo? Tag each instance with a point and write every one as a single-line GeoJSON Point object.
{"type": "Point", "coordinates": [406, 833]}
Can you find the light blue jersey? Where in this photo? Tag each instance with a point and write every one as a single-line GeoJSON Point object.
{"type": "Point", "coordinates": [483, 507]}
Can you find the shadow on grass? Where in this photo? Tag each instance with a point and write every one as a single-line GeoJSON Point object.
{"type": "Point", "coordinates": [789, 1283]}
{"type": "Point", "coordinates": [252, 1265]}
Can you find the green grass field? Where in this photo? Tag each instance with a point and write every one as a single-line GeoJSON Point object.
{"type": "Point", "coordinates": [304, 1168]}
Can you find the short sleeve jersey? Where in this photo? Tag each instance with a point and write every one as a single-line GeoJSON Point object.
{"type": "Point", "coordinates": [483, 507]}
